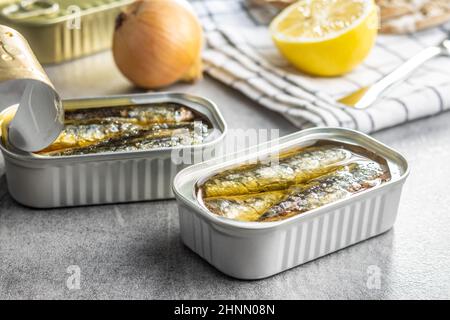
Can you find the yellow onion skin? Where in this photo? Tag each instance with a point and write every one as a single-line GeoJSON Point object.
{"type": "Point", "coordinates": [158, 42]}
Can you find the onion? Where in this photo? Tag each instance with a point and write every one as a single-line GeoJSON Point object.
{"type": "Point", "coordinates": [158, 42]}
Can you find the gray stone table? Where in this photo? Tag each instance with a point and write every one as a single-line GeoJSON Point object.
{"type": "Point", "coordinates": [134, 250]}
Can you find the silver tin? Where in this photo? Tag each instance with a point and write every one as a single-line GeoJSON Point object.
{"type": "Point", "coordinates": [252, 250]}
{"type": "Point", "coordinates": [62, 30]}
{"type": "Point", "coordinates": [45, 182]}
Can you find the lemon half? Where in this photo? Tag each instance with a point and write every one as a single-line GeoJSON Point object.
{"type": "Point", "coordinates": [326, 37]}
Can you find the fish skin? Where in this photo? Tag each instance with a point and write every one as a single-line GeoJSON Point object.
{"type": "Point", "coordinates": [163, 136]}
{"type": "Point", "coordinates": [326, 189]}
{"type": "Point", "coordinates": [292, 169]}
{"type": "Point", "coordinates": [83, 135]}
{"type": "Point", "coordinates": [91, 130]}
{"type": "Point", "coordinates": [140, 114]}
{"type": "Point", "coordinates": [243, 207]}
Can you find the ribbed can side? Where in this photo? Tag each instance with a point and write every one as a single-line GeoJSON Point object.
{"type": "Point", "coordinates": [258, 254]}
{"type": "Point", "coordinates": [332, 231]}
{"type": "Point", "coordinates": [87, 183]}
{"type": "Point", "coordinates": [74, 39]}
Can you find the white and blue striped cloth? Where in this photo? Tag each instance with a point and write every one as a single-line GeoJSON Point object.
{"type": "Point", "coordinates": [240, 53]}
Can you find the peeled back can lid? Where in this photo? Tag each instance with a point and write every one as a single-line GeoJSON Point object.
{"type": "Point", "coordinates": [40, 117]}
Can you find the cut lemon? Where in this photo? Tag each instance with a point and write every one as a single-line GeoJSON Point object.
{"type": "Point", "coordinates": [326, 37]}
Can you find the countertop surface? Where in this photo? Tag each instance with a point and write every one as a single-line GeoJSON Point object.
{"type": "Point", "coordinates": [133, 251]}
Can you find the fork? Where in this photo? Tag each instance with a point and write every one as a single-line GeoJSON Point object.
{"type": "Point", "coordinates": [367, 96]}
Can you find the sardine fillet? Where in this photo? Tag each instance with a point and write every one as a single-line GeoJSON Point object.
{"type": "Point", "coordinates": [83, 135]}
{"type": "Point", "coordinates": [142, 140]}
{"type": "Point", "coordinates": [329, 188]}
{"type": "Point", "coordinates": [279, 205]}
{"type": "Point", "coordinates": [243, 208]}
{"type": "Point", "coordinates": [292, 169]}
{"type": "Point", "coordinates": [139, 114]}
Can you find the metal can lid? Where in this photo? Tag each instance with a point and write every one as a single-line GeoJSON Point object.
{"type": "Point", "coordinates": [40, 117]}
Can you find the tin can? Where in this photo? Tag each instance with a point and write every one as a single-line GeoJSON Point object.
{"type": "Point", "coordinates": [61, 30]}
{"type": "Point", "coordinates": [254, 250]}
{"type": "Point", "coordinates": [48, 182]}
{"type": "Point", "coordinates": [32, 117]}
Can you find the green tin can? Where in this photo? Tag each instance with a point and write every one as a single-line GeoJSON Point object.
{"type": "Point", "coordinates": [62, 30]}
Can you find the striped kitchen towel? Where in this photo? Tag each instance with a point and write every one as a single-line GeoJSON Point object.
{"type": "Point", "coordinates": [241, 54]}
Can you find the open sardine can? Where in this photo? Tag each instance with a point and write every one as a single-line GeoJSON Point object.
{"type": "Point", "coordinates": [101, 149]}
{"type": "Point", "coordinates": [254, 250]}
{"type": "Point", "coordinates": [62, 30]}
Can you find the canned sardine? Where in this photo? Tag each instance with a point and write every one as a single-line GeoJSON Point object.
{"type": "Point", "coordinates": [300, 180]}
{"type": "Point", "coordinates": [252, 218]}
{"type": "Point", "coordinates": [128, 128]}
{"type": "Point", "coordinates": [113, 149]}
{"type": "Point", "coordinates": [61, 30]}
{"type": "Point", "coordinates": [94, 150]}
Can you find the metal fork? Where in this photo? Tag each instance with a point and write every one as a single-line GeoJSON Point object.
{"type": "Point", "coordinates": [366, 96]}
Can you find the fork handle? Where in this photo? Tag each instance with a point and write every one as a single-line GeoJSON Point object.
{"type": "Point", "coordinates": [400, 73]}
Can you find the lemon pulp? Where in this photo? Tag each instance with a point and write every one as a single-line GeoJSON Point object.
{"type": "Point", "coordinates": [326, 37]}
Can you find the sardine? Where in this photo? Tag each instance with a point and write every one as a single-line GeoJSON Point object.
{"type": "Point", "coordinates": [94, 130]}
{"type": "Point", "coordinates": [329, 188]}
{"type": "Point", "coordinates": [293, 168]}
{"type": "Point", "coordinates": [244, 207]}
{"type": "Point", "coordinates": [83, 135]}
{"type": "Point", "coordinates": [139, 114]}
{"type": "Point", "coordinates": [282, 204]}
{"type": "Point", "coordinates": [163, 137]}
